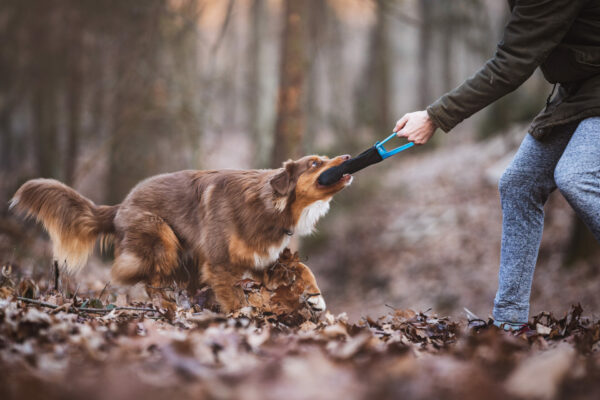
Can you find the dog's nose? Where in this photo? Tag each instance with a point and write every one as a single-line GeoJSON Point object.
{"type": "Point", "coordinates": [345, 157]}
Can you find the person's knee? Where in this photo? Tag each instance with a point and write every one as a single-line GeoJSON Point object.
{"type": "Point", "coordinates": [564, 180]}
{"type": "Point", "coordinates": [508, 181]}
{"type": "Point", "coordinates": [513, 184]}
{"type": "Point", "coordinates": [519, 186]}
{"type": "Point", "coordinates": [572, 184]}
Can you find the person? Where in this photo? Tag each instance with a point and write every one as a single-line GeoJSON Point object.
{"type": "Point", "coordinates": [562, 149]}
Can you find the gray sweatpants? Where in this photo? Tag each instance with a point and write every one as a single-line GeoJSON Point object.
{"type": "Point", "coordinates": [569, 158]}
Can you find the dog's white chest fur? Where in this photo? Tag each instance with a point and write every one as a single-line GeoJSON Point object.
{"type": "Point", "coordinates": [306, 223]}
{"type": "Point", "coordinates": [272, 254]}
{"type": "Point", "coordinates": [310, 215]}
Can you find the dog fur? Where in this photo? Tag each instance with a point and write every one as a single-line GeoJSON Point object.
{"type": "Point", "coordinates": [192, 227]}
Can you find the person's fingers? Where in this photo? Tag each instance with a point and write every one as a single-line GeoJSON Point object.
{"type": "Point", "coordinates": [422, 137]}
{"type": "Point", "coordinates": [416, 138]}
{"type": "Point", "coordinates": [401, 122]}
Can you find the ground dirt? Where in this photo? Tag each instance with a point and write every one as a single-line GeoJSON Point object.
{"type": "Point", "coordinates": [417, 233]}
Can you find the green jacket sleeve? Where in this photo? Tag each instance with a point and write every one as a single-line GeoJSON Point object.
{"type": "Point", "coordinates": [535, 27]}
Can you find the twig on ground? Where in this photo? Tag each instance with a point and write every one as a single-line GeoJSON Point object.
{"type": "Point", "coordinates": [56, 275]}
{"type": "Point", "coordinates": [89, 310]}
{"type": "Point", "coordinates": [74, 297]}
{"type": "Point", "coordinates": [103, 290]}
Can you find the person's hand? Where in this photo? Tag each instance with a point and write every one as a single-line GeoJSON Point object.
{"type": "Point", "coordinates": [416, 126]}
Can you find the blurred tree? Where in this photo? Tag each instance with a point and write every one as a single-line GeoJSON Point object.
{"type": "Point", "coordinates": [448, 22]}
{"type": "Point", "coordinates": [373, 94]}
{"type": "Point", "coordinates": [473, 27]}
{"type": "Point", "coordinates": [74, 70]}
{"type": "Point", "coordinates": [255, 90]}
{"type": "Point", "coordinates": [45, 75]}
{"type": "Point", "coordinates": [426, 8]}
{"type": "Point", "coordinates": [74, 90]}
{"type": "Point", "coordinates": [289, 127]}
{"type": "Point", "coordinates": [11, 66]}
{"type": "Point", "coordinates": [318, 20]}
{"type": "Point", "coordinates": [331, 78]}
{"type": "Point", "coordinates": [147, 134]}
{"type": "Point", "coordinates": [138, 99]}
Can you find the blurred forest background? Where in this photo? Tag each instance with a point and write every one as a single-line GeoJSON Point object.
{"type": "Point", "coordinates": [103, 93]}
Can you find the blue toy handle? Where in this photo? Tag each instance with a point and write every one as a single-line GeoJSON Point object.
{"type": "Point", "coordinates": [388, 153]}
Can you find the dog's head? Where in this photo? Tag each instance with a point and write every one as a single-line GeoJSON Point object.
{"type": "Point", "coordinates": [300, 177]}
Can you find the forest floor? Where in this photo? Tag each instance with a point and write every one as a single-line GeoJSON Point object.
{"type": "Point", "coordinates": [391, 244]}
{"type": "Point", "coordinates": [102, 344]}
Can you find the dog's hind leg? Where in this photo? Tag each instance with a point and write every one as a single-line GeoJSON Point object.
{"type": "Point", "coordinates": [148, 251]}
{"type": "Point", "coordinates": [222, 281]}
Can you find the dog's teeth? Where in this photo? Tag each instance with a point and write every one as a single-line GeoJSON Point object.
{"type": "Point", "coordinates": [317, 303]}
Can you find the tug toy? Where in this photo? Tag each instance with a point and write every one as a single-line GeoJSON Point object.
{"type": "Point", "coordinates": [368, 157]}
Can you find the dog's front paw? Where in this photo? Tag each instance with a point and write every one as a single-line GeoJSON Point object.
{"type": "Point", "coordinates": [316, 302]}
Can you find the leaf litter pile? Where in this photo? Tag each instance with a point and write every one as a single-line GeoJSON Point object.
{"type": "Point", "coordinates": [60, 345]}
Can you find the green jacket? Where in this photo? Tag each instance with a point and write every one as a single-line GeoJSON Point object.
{"type": "Point", "coordinates": [562, 37]}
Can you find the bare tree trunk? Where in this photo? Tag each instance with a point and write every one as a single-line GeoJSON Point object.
{"type": "Point", "coordinates": [317, 22]}
{"type": "Point", "coordinates": [255, 90]}
{"type": "Point", "coordinates": [139, 113]}
{"type": "Point", "coordinates": [425, 34]}
{"type": "Point", "coordinates": [45, 126]}
{"type": "Point", "coordinates": [289, 127]}
{"type": "Point", "coordinates": [7, 178]}
{"type": "Point", "coordinates": [74, 96]}
{"type": "Point", "coordinates": [45, 98]}
{"type": "Point", "coordinates": [10, 52]}
{"type": "Point", "coordinates": [373, 99]}
{"type": "Point", "coordinates": [383, 68]}
{"type": "Point", "coordinates": [448, 38]}
{"type": "Point", "coordinates": [6, 141]}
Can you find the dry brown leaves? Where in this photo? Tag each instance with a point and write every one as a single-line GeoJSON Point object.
{"type": "Point", "coordinates": [62, 350]}
{"type": "Point", "coordinates": [280, 293]}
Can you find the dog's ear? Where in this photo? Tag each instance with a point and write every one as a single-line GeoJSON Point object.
{"type": "Point", "coordinates": [284, 182]}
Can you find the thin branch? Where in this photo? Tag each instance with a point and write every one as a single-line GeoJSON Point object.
{"type": "Point", "coordinates": [76, 291]}
{"type": "Point", "coordinates": [56, 275]}
{"type": "Point", "coordinates": [103, 290]}
{"type": "Point", "coordinates": [89, 310]}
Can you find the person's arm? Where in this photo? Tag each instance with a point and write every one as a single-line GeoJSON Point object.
{"type": "Point", "coordinates": [534, 29]}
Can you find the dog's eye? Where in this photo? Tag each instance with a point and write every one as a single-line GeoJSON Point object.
{"type": "Point", "coordinates": [315, 164]}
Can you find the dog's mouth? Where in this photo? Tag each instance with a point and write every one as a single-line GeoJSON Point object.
{"type": "Point", "coordinates": [344, 181]}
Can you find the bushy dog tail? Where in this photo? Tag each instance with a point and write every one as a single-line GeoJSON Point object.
{"type": "Point", "coordinates": [72, 221]}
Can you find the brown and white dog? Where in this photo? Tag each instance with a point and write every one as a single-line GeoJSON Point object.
{"type": "Point", "coordinates": [192, 227]}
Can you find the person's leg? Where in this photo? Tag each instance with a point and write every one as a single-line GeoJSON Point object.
{"type": "Point", "coordinates": [577, 174]}
{"type": "Point", "coordinates": [524, 189]}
